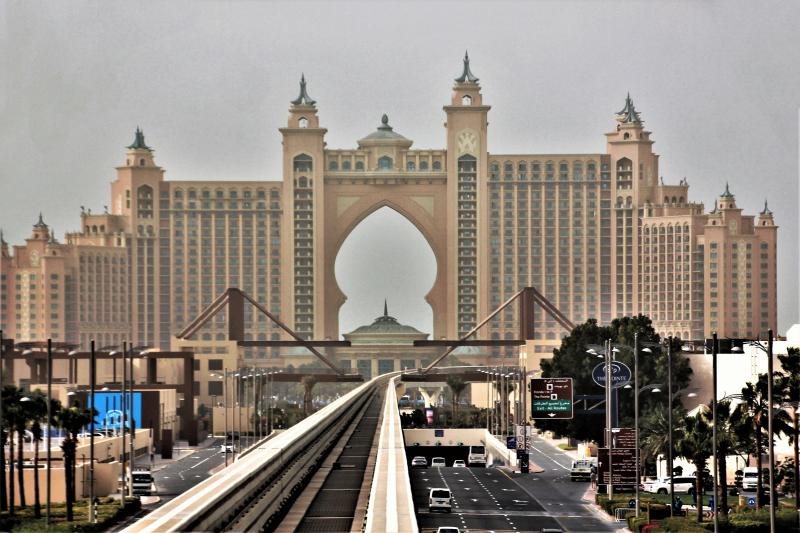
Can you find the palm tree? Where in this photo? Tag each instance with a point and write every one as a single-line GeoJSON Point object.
{"type": "Point", "coordinates": [727, 444]}
{"type": "Point", "coordinates": [8, 393]}
{"type": "Point", "coordinates": [693, 443]}
{"type": "Point", "coordinates": [654, 436]}
{"type": "Point", "coordinates": [789, 385]}
{"type": "Point", "coordinates": [72, 420]}
{"type": "Point", "coordinates": [308, 383]}
{"type": "Point", "coordinates": [751, 421]}
{"type": "Point", "coordinates": [20, 413]}
{"type": "Point", "coordinates": [457, 386]}
{"type": "Point", "coordinates": [36, 411]}
{"type": "Point", "coordinates": [11, 404]}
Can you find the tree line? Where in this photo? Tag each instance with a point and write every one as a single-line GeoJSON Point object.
{"type": "Point", "coordinates": [27, 411]}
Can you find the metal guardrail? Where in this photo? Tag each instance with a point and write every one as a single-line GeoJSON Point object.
{"type": "Point", "coordinates": [258, 487]}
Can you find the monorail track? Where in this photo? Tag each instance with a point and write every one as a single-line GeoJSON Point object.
{"type": "Point", "coordinates": [308, 478]}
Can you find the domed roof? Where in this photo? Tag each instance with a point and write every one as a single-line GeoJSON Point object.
{"type": "Point", "coordinates": [384, 133]}
{"type": "Point", "coordinates": [385, 330]}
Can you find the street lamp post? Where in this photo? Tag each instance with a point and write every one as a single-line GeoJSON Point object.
{"type": "Point", "coordinates": [123, 404]}
{"type": "Point", "coordinates": [770, 415]}
{"type": "Point", "coordinates": [92, 381]}
{"type": "Point", "coordinates": [714, 351]}
{"type": "Point", "coordinates": [669, 415]}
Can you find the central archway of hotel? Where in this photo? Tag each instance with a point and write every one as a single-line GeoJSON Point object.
{"type": "Point", "coordinates": [385, 257]}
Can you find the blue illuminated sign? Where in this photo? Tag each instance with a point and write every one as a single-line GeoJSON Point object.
{"type": "Point", "coordinates": [109, 409]}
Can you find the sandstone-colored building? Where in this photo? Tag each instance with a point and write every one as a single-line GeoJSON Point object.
{"type": "Point", "coordinates": [601, 235]}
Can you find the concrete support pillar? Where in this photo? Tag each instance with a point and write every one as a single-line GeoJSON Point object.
{"type": "Point", "coordinates": [431, 397]}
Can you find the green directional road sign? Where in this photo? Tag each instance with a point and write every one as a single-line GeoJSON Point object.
{"type": "Point", "coordinates": [551, 398]}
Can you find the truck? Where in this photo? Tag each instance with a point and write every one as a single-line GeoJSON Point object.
{"type": "Point", "coordinates": [581, 470]}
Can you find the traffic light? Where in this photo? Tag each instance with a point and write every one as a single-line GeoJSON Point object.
{"type": "Point", "coordinates": [737, 477]}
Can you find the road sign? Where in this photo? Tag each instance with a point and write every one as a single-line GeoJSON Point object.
{"type": "Point", "coordinates": [620, 374]}
{"type": "Point", "coordinates": [551, 398]}
{"type": "Point", "coordinates": [511, 442]}
{"type": "Point", "coordinates": [751, 501]}
{"type": "Point", "coordinates": [623, 437]}
{"type": "Point", "coordinates": [624, 468]}
{"type": "Point", "coordinates": [524, 437]}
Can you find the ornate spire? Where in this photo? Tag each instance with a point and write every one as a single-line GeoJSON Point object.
{"type": "Point", "coordinates": [303, 99]}
{"type": "Point", "coordinates": [765, 212]}
{"type": "Point", "coordinates": [716, 208]}
{"type": "Point", "coordinates": [385, 123]}
{"type": "Point", "coordinates": [385, 303]}
{"type": "Point", "coordinates": [2, 240]}
{"type": "Point", "coordinates": [727, 193]}
{"type": "Point", "coordinates": [628, 114]}
{"type": "Point", "coordinates": [138, 141]}
{"type": "Point", "coordinates": [40, 223]}
{"type": "Point", "coordinates": [467, 76]}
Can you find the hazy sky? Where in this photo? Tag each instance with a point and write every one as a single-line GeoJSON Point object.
{"type": "Point", "coordinates": [718, 83]}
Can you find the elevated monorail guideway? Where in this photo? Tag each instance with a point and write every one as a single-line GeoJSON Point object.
{"type": "Point", "coordinates": [259, 491]}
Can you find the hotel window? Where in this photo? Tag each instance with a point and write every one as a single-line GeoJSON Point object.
{"type": "Point", "coordinates": [385, 163]}
{"type": "Point", "coordinates": [423, 165]}
{"type": "Point", "coordinates": [410, 167]}
{"type": "Point", "coordinates": [437, 165]}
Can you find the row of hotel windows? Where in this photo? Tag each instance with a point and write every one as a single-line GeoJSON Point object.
{"type": "Point", "coordinates": [549, 170]}
{"type": "Point", "coordinates": [233, 194]}
{"type": "Point", "coordinates": [385, 163]}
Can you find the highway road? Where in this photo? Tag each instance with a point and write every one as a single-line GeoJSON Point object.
{"type": "Point", "coordinates": [494, 499]}
{"type": "Point", "coordinates": [185, 473]}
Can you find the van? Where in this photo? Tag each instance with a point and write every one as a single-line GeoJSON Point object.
{"type": "Point", "coordinates": [440, 498]}
{"type": "Point", "coordinates": [477, 456]}
{"type": "Point", "coordinates": [750, 478]}
{"type": "Point", "coordinates": [142, 482]}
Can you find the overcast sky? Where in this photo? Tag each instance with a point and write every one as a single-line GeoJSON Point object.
{"type": "Point", "coordinates": [718, 83]}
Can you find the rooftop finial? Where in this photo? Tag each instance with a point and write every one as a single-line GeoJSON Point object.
{"type": "Point", "coordinates": [303, 98]}
{"type": "Point", "coordinates": [385, 307]}
{"type": "Point", "coordinates": [385, 123]}
{"type": "Point", "coordinates": [628, 114]}
{"type": "Point", "coordinates": [2, 240]}
{"type": "Point", "coordinates": [138, 141]}
{"type": "Point", "coordinates": [727, 193]}
{"type": "Point", "coordinates": [40, 223]}
{"type": "Point", "coordinates": [765, 212]}
{"type": "Point", "coordinates": [467, 76]}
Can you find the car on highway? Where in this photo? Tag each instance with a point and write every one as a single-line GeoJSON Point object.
{"type": "Point", "coordinates": [438, 462]}
{"type": "Point", "coordinates": [440, 498]}
{"type": "Point", "coordinates": [581, 470]}
{"type": "Point", "coordinates": [459, 463]}
{"type": "Point", "coordinates": [226, 448]}
{"type": "Point", "coordinates": [419, 462]}
{"type": "Point", "coordinates": [477, 456]}
{"type": "Point", "coordinates": [684, 484]}
{"type": "Point", "coordinates": [448, 529]}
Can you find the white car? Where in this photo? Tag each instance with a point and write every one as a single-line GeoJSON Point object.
{"type": "Point", "coordinates": [448, 529]}
{"type": "Point", "coordinates": [459, 463]}
{"type": "Point", "coordinates": [440, 498]}
{"type": "Point", "coordinates": [226, 448]}
{"type": "Point", "coordinates": [419, 462]}
{"type": "Point", "coordinates": [438, 462]}
{"type": "Point", "coordinates": [683, 484]}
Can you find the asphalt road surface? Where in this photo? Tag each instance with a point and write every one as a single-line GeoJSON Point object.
{"type": "Point", "coordinates": [185, 473]}
{"type": "Point", "coordinates": [484, 499]}
{"type": "Point", "coordinates": [567, 500]}
{"type": "Point", "coordinates": [492, 499]}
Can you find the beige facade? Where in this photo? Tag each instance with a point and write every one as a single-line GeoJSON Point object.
{"type": "Point", "coordinates": [600, 235]}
